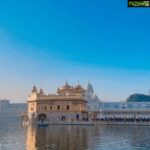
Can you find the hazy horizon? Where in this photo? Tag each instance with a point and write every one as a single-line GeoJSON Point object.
{"type": "Point", "coordinates": [45, 43]}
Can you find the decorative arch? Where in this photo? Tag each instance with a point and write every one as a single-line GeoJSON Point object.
{"type": "Point", "coordinates": [42, 117]}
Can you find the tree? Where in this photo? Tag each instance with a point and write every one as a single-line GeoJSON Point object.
{"type": "Point", "coordinates": [138, 98]}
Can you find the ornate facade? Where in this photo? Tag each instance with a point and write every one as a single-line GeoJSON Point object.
{"type": "Point", "coordinates": [68, 103]}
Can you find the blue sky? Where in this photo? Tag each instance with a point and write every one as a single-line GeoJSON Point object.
{"type": "Point", "coordinates": [47, 42]}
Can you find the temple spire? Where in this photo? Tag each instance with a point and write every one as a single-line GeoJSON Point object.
{"type": "Point", "coordinates": [67, 82]}
{"type": "Point", "coordinates": [41, 91]}
{"type": "Point", "coordinates": [34, 89]}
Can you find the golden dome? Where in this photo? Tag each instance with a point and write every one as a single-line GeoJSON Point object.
{"type": "Point", "coordinates": [70, 89]}
{"type": "Point", "coordinates": [78, 87]}
{"type": "Point", "coordinates": [66, 87]}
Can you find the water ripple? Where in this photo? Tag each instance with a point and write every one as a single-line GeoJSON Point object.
{"type": "Point", "coordinates": [16, 137]}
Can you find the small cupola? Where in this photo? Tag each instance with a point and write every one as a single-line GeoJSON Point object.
{"type": "Point", "coordinates": [34, 89]}
{"type": "Point", "coordinates": [41, 92]}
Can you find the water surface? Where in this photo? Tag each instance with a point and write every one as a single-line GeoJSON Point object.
{"type": "Point", "coordinates": [16, 137]}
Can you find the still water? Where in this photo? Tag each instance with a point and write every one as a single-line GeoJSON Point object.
{"type": "Point", "coordinates": [16, 137]}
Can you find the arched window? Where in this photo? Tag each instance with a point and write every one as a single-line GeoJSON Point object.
{"type": "Point", "coordinates": [67, 107]}
{"type": "Point", "coordinates": [51, 108]}
{"type": "Point", "coordinates": [77, 116]}
{"type": "Point", "coordinates": [58, 107]}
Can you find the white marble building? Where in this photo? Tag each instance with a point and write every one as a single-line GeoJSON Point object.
{"type": "Point", "coordinates": [125, 110]}
{"type": "Point", "coordinates": [93, 102]}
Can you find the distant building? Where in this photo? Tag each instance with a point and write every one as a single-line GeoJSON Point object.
{"type": "Point", "coordinates": [125, 105]}
{"type": "Point", "coordinates": [4, 104]}
{"type": "Point", "coordinates": [125, 110]}
{"type": "Point", "coordinates": [11, 112]}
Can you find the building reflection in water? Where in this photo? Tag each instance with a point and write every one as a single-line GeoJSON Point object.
{"type": "Point", "coordinates": [87, 137]}
{"type": "Point", "coordinates": [60, 138]}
